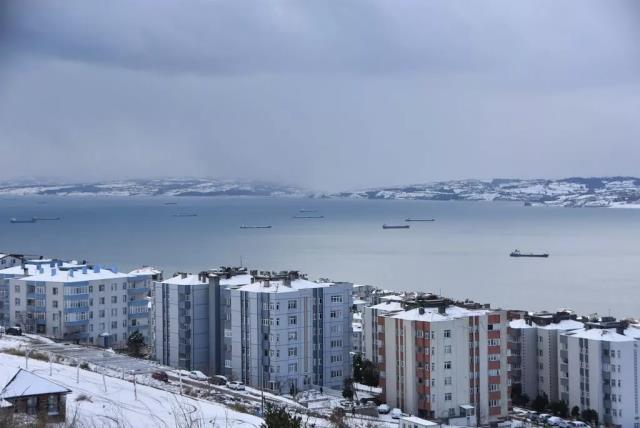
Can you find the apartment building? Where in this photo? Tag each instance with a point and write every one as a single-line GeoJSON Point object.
{"type": "Point", "coordinates": [181, 313]}
{"type": "Point", "coordinates": [523, 344]}
{"type": "Point", "coordinates": [599, 370]}
{"type": "Point", "coordinates": [447, 362]}
{"type": "Point", "coordinates": [534, 351]}
{"type": "Point", "coordinates": [279, 330]}
{"type": "Point", "coordinates": [289, 334]}
{"type": "Point", "coordinates": [79, 303]}
{"type": "Point", "coordinates": [370, 326]}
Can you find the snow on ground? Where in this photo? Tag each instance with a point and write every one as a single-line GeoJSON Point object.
{"type": "Point", "coordinates": [118, 406]}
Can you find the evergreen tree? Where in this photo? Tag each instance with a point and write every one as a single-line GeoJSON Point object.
{"type": "Point", "coordinates": [278, 417]}
{"type": "Point", "coordinates": [135, 343]}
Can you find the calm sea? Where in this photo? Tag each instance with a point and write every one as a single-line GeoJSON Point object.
{"type": "Point", "coordinates": [593, 267]}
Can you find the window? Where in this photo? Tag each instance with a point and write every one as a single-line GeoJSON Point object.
{"type": "Point", "coordinates": [293, 320]}
{"type": "Point", "coordinates": [336, 299]}
{"type": "Point", "coordinates": [227, 364]}
{"type": "Point", "coordinates": [335, 314]}
{"type": "Point", "coordinates": [101, 287]}
{"type": "Point", "coordinates": [227, 332]}
{"type": "Point", "coordinates": [114, 324]}
{"type": "Point", "coordinates": [101, 313]}
{"type": "Point", "coordinates": [447, 333]}
{"type": "Point", "coordinates": [114, 312]}
{"type": "Point", "coordinates": [54, 290]}
{"type": "Point", "coordinates": [114, 299]}
{"type": "Point", "coordinates": [293, 352]}
{"type": "Point", "coordinates": [16, 288]}
{"type": "Point", "coordinates": [124, 285]}
{"type": "Point", "coordinates": [496, 342]}
{"type": "Point", "coordinates": [32, 405]}
{"type": "Point", "coordinates": [447, 349]}
{"type": "Point", "coordinates": [336, 358]}
{"type": "Point", "coordinates": [336, 343]}
{"type": "Point", "coordinates": [293, 368]}
{"type": "Point", "coordinates": [336, 373]}
{"type": "Point", "coordinates": [17, 301]}
{"type": "Point", "coordinates": [447, 380]}
{"type": "Point", "coordinates": [494, 403]}
{"type": "Point", "coordinates": [101, 301]}
{"type": "Point", "coordinates": [292, 304]}
{"type": "Point", "coordinates": [447, 364]}
{"type": "Point", "coordinates": [447, 396]}
{"type": "Point", "coordinates": [293, 335]}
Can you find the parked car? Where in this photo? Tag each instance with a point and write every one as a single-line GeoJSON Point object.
{"type": "Point", "coordinates": [578, 424]}
{"type": "Point", "coordinates": [235, 385]}
{"type": "Point", "coordinates": [542, 418]}
{"type": "Point", "coordinates": [161, 376]}
{"type": "Point", "coordinates": [198, 375]}
{"type": "Point", "coordinates": [555, 421]}
{"type": "Point", "coordinates": [395, 413]}
{"type": "Point", "coordinates": [218, 380]}
{"type": "Point", "coordinates": [383, 409]}
{"type": "Point", "coordinates": [14, 331]}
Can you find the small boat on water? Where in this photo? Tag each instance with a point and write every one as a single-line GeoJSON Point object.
{"type": "Point", "coordinates": [185, 215]}
{"type": "Point", "coordinates": [308, 211]}
{"type": "Point", "coordinates": [171, 203]}
{"type": "Point", "coordinates": [244, 226]}
{"type": "Point", "coordinates": [517, 253]}
{"type": "Point", "coordinates": [395, 226]}
{"type": "Point", "coordinates": [46, 218]}
{"type": "Point", "coordinates": [419, 219]}
{"type": "Point", "coordinates": [30, 220]}
{"type": "Point", "coordinates": [308, 216]}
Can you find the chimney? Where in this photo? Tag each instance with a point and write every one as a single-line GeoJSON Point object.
{"type": "Point", "coordinates": [53, 271]}
{"type": "Point", "coordinates": [442, 309]}
{"type": "Point", "coordinates": [25, 270]}
{"type": "Point", "coordinates": [96, 269]}
{"type": "Point", "coordinates": [84, 269]}
{"type": "Point", "coordinates": [421, 310]}
{"type": "Point", "coordinates": [71, 273]}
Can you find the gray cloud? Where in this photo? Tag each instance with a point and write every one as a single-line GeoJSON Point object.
{"type": "Point", "coordinates": [323, 94]}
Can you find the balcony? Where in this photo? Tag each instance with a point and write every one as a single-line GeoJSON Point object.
{"type": "Point", "coordinates": [138, 290]}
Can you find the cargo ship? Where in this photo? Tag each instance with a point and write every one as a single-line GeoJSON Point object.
{"type": "Point", "coordinates": [29, 220]}
{"type": "Point", "coordinates": [420, 219]}
{"type": "Point", "coordinates": [396, 226]}
{"type": "Point", "coordinates": [185, 215]}
{"type": "Point", "coordinates": [308, 216]}
{"type": "Point", "coordinates": [244, 226]}
{"type": "Point", "coordinates": [517, 253]}
{"type": "Point", "coordinates": [46, 218]}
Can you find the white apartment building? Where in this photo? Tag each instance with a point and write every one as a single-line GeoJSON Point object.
{"type": "Point", "coordinates": [446, 362]}
{"type": "Point", "coordinates": [80, 303]}
{"type": "Point", "coordinates": [370, 326]}
{"type": "Point", "coordinates": [599, 370]}
{"type": "Point", "coordinates": [534, 352]}
{"type": "Point", "coordinates": [181, 319]}
{"type": "Point", "coordinates": [289, 334]}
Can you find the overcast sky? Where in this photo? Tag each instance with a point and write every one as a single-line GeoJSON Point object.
{"type": "Point", "coordinates": [322, 94]}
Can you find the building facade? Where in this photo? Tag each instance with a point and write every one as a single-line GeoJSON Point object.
{"type": "Point", "coordinates": [289, 334]}
{"type": "Point", "coordinates": [599, 370]}
{"type": "Point", "coordinates": [80, 303]}
{"type": "Point", "coordinates": [370, 326]}
{"type": "Point", "coordinates": [446, 362]}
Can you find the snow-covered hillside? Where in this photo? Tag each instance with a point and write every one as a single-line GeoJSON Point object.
{"type": "Point", "coordinates": [568, 192]}
{"type": "Point", "coordinates": [152, 187]}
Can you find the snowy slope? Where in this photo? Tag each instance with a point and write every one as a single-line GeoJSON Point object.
{"type": "Point", "coordinates": [118, 405]}
{"type": "Point", "coordinates": [568, 192]}
{"type": "Point", "coordinates": [154, 187]}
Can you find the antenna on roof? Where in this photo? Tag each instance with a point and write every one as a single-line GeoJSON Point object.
{"type": "Point", "coordinates": [241, 260]}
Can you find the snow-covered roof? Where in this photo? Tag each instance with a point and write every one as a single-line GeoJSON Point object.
{"type": "Point", "coordinates": [146, 270]}
{"type": "Point", "coordinates": [78, 275]}
{"type": "Point", "coordinates": [24, 384]}
{"type": "Point", "coordinates": [236, 280]}
{"type": "Point", "coordinates": [563, 325]}
{"type": "Point", "coordinates": [359, 302]}
{"type": "Point", "coordinates": [392, 297]}
{"type": "Point", "coordinates": [32, 268]}
{"type": "Point", "coordinates": [189, 279]}
{"type": "Point", "coordinates": [280, 287]}
{"type": "Point", "coordinates": [607, 334]}
{"type": "Point", "coordinates": [419, 421]}
{"type": "Point", "coordinates": [520, 324]}
{"type": "Point", "coordinates": [432, 314]}
{"type": "Point", "coordinates": [388, 306]}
